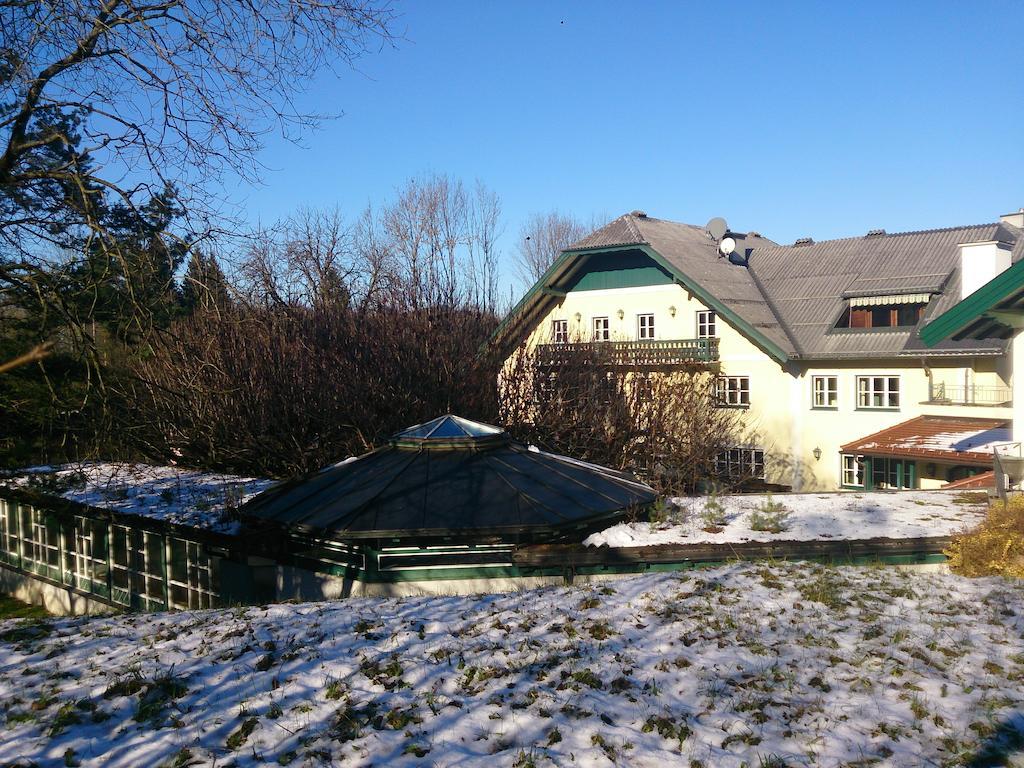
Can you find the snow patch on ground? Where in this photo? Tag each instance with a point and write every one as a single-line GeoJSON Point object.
{"type": "Point", "coordinates": [752, 664]}
{"type": "Point", "coordinates": [172, 494]}
{"type": "Point", "coordinates": [811, 516]}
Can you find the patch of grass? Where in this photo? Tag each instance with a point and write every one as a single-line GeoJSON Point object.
{"type": "Point", "coordinates": [128, 685]}
{"type": "Point", "coordinates": [588, 678]}
{"type": "Point", "coordinates": [334, 689]}
{"type": "Point", "coordinates": [12, 608]}
{"type": "Point", "coordinates": [241, 734]}
{"type": "Point", "coordinates": [668, 728]}
{"type": "Point", "coordinates": [388, 675]}
{"type": "Point", "coordinates": [158, 694]}
{"type": "Point", "coordinates": [66, 715]}
{"type": "Point", "coordinates": [971, 497]}
{"type": "Point", "coordinates": [824, 588]}
{"type": "Point", "coordinates": [27, 631]}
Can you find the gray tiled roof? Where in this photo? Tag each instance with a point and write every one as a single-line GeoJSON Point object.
{"type": "Point", "coordinates": [689, 249]}
{"type": "Point", "coordinates": [809, 283]}
{"type": "Point", "coordinates": [793, 294]}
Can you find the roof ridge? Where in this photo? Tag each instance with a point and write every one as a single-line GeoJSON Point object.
{"type": "Point", "coordinates": [893, 234]}
{"type": "Point", "coordinates": [770, 303]}
{"type": "Point", "coordinates": [634, 229]}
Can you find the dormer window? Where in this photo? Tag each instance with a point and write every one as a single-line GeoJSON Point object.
{"type": "Point", "coordinates": [902, 311]}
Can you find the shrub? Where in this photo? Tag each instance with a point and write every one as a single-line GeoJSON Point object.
{"type": "Point", "coordinates": [713, 514]}
{"type": "Point", "coordinates": [996, 547]}
{"type": "Point", "coordinates": [770, 516]}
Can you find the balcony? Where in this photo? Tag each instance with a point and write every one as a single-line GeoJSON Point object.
{"type": "Point", "coordinates": [959, 394]}
{"type": "Point", "coordinates": [634, 354]}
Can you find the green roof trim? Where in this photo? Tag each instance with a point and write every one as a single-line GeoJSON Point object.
{"type": "Point", "coordinates": [1003, 286]}
{"type": "Point", "coordinates": [544, 287]}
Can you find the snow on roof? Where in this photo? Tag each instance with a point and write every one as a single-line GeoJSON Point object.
{"type": "Point", "coordinates": [937, 437]}
{"type": "Point", "coordinates": [171, 494]}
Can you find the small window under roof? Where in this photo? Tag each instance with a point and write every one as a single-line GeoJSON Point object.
{"type": "Point", "coordinates": [891, 311]}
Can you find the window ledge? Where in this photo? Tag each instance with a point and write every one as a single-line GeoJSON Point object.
{"type": "Point", "coordinates": [876, 408]}
{"type": "Point", "coordinates": [824, 407]}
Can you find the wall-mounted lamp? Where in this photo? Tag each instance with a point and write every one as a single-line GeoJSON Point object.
{"type": "Point", "coordinates": [621, 314]}
{"type": "Point", "coordinates": [578, 317]}
{"type": "Point", "coordinates": [817, 454]}
{"type": "Point", "coordinates": [672, 310]}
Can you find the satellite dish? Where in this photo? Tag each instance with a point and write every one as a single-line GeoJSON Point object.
{"type": "Point", "coordinates": [717, 228]}
{"type": "Point", "coordinates": [727, 246]}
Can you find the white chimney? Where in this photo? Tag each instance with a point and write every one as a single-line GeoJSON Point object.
{"type": "Point", "coordinates": [980, 262]}
{"type": "Point", "coordinates": [1016, 219]}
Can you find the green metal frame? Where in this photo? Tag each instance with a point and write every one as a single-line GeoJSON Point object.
{"type": "Point", "coordinates": [544, 285]}
{"type": "Point", "coordinates": [1000, 288]}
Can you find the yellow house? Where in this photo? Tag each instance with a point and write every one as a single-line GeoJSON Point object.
{"type": "Point", "coordinates": [817, 342]}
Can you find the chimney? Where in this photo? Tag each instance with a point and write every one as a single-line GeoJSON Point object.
{"type": "Point", "coordinates": [980, 262]}
{"type": "Point", "coordinates": [1016, 219]}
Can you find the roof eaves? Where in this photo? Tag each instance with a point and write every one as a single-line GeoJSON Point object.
{"type": "Point", "coordinates": [547, 281]}
{"type": "Point", "coordinates": [957, 318]}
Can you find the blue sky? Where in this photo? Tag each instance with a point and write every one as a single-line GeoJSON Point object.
{"type": "Point", "coordinates": [822, 120]}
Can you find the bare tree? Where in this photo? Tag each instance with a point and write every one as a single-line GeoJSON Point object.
{"type": "Point", "coordinates": [120, 117]}
{"type": "Point", "coordinates": [667, 426]}
{"type": "Point", "coordinates": [542, 238]}
{"type": "Point", "coordinates": [164, 92]}
{"type": "Point", "coordinates": [282, 392]}
{"type": "Point", "coordinates": [441, 241]}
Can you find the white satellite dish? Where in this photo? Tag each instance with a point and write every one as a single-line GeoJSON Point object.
{"type": "Point", "coordinates": [727, 246]}
{"type": "Point", "coordinates": [717, 228]}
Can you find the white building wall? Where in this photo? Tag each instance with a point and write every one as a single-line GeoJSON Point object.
{"type": "Point", "coordinates": [781, 418]}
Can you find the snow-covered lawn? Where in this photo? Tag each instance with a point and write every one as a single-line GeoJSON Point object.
{"type": "Point", "coordinates": [181, 496]}
{"type": "Point", "coordinates": [753, 664]}
{"type": "Point", "coordinates": [807, 516]}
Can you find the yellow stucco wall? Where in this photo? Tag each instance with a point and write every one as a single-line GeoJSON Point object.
{"type": "Point", "coordinates": [781, 418]}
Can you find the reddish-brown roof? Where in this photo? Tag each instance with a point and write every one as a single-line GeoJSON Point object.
{"type": "Point", "coordinates": [959, 439]}
{"type": "Point", "coordinates": [984, 480]}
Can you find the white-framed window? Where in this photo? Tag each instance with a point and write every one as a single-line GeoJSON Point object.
{"type": "Point", "coordinates": [9, 531]}
{"type": "Point", "coordinates": [740, 463]}
{"type": "Point", "coordinates": [878, 391]}
{"type": "Point", "coordinates": [734, 391]}
{"type": "Point", "coordinates": [191, 579]}
{"type": "Point", "coordinates": [825, 391]}
{"type": "Point", "coordinates": [40, 534]}
{"type": "Point", "coordinates": [85, 554]}
{"type": "Point", "coordinates": [602, 329]}
{"type": "Point", "coordinates": [645, 327]}
{"type": "Point", "coordinates": [892, 474]}
{"type": "Point", "coordinates": [853, 470]}
{"type": "Point", "coordinates": [706, 324]}
{"type": "Point", "coordinates": [559, 331]}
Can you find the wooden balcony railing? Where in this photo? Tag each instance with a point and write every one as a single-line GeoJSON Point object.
{"type": "Point", "coordinates": [634, 353]}
{"type": "Point", "coordinates": [958, 394]}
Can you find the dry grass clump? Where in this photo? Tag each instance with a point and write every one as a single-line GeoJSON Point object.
{"type": "Point", "coordinates": [996, 547]}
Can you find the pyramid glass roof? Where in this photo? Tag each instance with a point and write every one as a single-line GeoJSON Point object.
{"type": "Point", "coordinates": [452, 477]}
